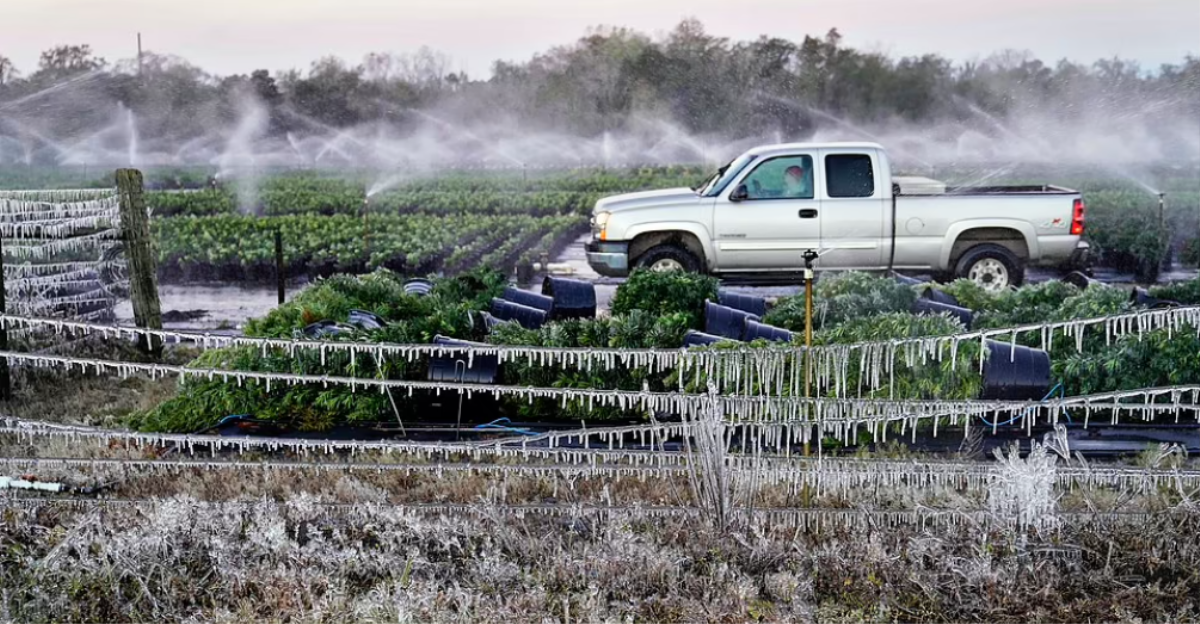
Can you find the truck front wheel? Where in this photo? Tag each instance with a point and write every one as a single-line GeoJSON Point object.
{"type": "Point", "coordinates": [992, 266]}
{"type": "Point", "coordinates": [664, 258]}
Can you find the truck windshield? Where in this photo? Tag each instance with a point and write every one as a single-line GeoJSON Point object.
{"type": "Point", "coordinates": [719, 180]}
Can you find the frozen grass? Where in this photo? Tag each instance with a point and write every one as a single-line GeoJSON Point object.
{"type": "Point", "coordinates": [187, 560]}
{"type": "Point", "coordinates": [318, 544]}
{"type": "Point", "coordinates": [69, 397]}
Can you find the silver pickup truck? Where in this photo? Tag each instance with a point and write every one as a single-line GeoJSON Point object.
{"type": "Point", "coordinates": [762, 211]}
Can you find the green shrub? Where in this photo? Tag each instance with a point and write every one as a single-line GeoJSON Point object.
{"type": "Point", "coordinates": [1028, 304]}
{"type": "Point", "coordinates": [412, 319]}
{"type": "Point", "coordinates": [636, 330]}
{"type": "Point", "coordinates": [1190, 254]}
{"type": "Point", "coordinates": [1156, 358]}
{"type": "Point", "coordinates": [841, 297]}
{"type": "Point", "coordinates": [1187, 293]}
{"type": "Point", "coordinates": [969, 294]}
{"type": "Point", "coordinates": [933, 380]}
{"type": "Point", "coordinates": [662, 293]}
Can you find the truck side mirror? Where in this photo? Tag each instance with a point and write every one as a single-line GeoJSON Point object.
{"type": "Point", "coordinates": [739, 193]}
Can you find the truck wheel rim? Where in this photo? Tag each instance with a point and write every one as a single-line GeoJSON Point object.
{"type": "Point", "coordinates": [990, 274]}
{"type": "Point", "coordinates": [666, 264]}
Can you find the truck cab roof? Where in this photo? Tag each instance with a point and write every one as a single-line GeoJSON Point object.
{"type": "Point", "coordinates": [785, 148]}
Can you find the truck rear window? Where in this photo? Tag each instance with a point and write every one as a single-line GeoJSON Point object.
{"type": "Point", "coordinates": [849, 175]}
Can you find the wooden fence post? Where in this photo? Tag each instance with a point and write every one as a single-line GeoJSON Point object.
{"type": "Point", "coordinates": [280, 276]}
{"type": "Point", "coordinates": [139, 253]}
{"type": "Point", "coordinates": [5, 381]}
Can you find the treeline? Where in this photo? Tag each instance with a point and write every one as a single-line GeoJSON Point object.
{"type": "Point", "coordinates": [605, 81]}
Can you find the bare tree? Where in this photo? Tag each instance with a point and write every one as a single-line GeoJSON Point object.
{"type": "Point", "coordinates": [8, 71]}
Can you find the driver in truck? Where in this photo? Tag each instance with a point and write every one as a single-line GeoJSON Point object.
{"type": "Point", "coordinates": [795, 184]}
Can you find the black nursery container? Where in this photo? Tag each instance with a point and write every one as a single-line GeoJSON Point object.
{"type": "Point", "coordinates": [526, 298]}
{"type": "Point", "coordinates": [938, 296]}
{"type": "Point", "coordinates": [1141, 297]}
{"type": "Point", "coordinates": [572, 298]}
{"type": "Point", "coordinates": [324, 328]}
{"type": "Point", "coordinates": [490, 322]}
{"type": "Point", "coordinates": [906, 280]}
{"type": "Point", "coordinates": [529, 318]}
{"type": "Point", "coordinates": [694, 338]}
{"type": "Point", "coordinates": [930, 307]}
{"type": "Point", "coordinates": [746, 303]}
{"type": "Point", "coordinates": [366, 320]}
{"type": "Point", "coordinates": [756, 330]}
{"type": "Point", "coordinates": [725, 321]}
{"type": "Point", "coordinates": [1079, 280]}
{"type": "Point", "coordinates": [453, 367]}
{"type": "Point", "coordinates": [1015, 373]}
{"type": "Point", "coordinates": [418, 286]}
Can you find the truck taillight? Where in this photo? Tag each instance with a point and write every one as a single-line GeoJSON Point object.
{"type": "Point", "coordinates": [1077, 219]}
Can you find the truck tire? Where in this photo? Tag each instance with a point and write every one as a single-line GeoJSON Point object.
{"type": "Point", "coordinates": [668, 258]}
{"type": "Point", "coordinates": [992, 266]}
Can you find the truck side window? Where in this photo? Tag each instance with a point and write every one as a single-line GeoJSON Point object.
{"type": "Point", "coordinates": [849, 175]}
{"type": "Point", "coordinates": [786, 177]}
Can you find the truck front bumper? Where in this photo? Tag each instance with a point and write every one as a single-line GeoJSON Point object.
{"type": "Point", "coordinates": [608, 259]}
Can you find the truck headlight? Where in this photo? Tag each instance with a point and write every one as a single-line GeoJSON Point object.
{"type": "Point", "coordinates": [600, 225]}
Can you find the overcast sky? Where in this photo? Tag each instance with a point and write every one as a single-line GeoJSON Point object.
{"type": "Point", "coordinates": [238, 36]}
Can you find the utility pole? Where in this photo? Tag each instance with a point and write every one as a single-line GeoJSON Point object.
{"type": "Point", "coordinates": [139, 55]}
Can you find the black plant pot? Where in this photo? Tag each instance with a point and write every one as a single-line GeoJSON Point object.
{"type": "Point", "coordinates": [938, 296]}
{"type": "Point", "coordinates": [930, 307]}
{"type": "Point", "coordinates": [694, 338]}
{"type": "Point", "coordinates": [1015, 373]}
{"type": "Point", "coordinates": [756, 330]}
{"type": "Point", "coordinates": [1141, 297]}
{"type": "Point", "coordinates": [572, 298]}
{"type": "Point", "coordinates": [529, 318]}
{"type": "Point", "coordinates": [453, 367]}
{"type": "Point", "coordinates": [746, 303]}
{"type": "Point", "coordinates": [725, 321]}
{"type": "Point", "coordinates": [527, 298]}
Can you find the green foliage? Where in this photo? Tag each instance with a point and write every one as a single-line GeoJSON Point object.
{"type": "Point", "coordinates": [1190, 254]}
{"type": "Point", "coordinates": [663, 293]}
{"type": "Point", "coordinates": [411, 319]}
{"type": "Point", "coordinates": [1123, 226]}
{"type": "Point", "coordinates": [1187, 293]}
{"type": "Point", "coordinates": [638, 329]}
{"type": "Point", "coordinates": [1097, 300]}
{"type": "Point", "coordinates": [1157, 358]}
{"type": "Point", "coordinates": [841, 297]}
{"type": "Point", "coordinates": [416, 243]}
{"type": "Point", "coordinates": [969, 294]}
{"type": "Point", "coordinates": [1028, 304]}
{"type": "Point", "coordinates": [933, 380]}
{"type": "Point", "coordinates": [198, 203]}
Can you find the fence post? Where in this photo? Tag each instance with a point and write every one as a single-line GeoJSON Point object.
{"type": "Point", "coordinates": [5, 381]}
{"type": "Point", "coordinates": [280, 276]}
{"type": "Point", "coordinates": [139, 253]}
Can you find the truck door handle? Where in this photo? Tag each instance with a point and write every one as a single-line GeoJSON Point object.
{"type": "Point", "coordinates": [808, 213]}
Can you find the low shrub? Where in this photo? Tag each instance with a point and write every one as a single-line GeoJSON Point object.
{"type": "Point", "coordinates": [664, 293]}
{"type": "Point", "coordinates": [933, 380]}
{"type": "Point", "coordinates": [842, 297]}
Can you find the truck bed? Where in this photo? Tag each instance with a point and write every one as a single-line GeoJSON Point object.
{"type": "Point", "coordinates": [959, 191]}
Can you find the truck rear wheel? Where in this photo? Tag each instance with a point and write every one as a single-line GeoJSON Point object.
{"type": "Point", "coordinates": [663, 258]}
{"type": "Point", "coordinates": [992, 266]}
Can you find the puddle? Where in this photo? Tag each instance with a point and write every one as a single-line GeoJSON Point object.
{"type": "Point", "coordinates": [227, 306]}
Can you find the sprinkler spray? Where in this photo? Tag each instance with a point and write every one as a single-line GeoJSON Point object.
{"type": "Point", "coordinates": [1162, 205]}
{"type": "Point", "coordinates": [366, 230]}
